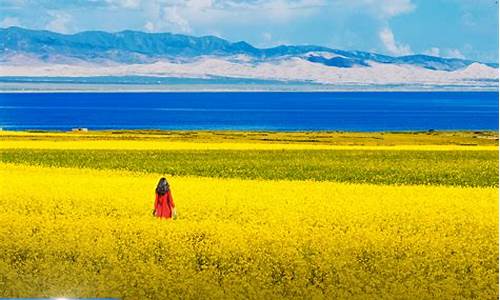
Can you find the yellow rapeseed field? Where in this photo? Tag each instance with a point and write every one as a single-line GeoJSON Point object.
{"type": "Point", "coordinates": [181, 145]}
{"type": "Point", "coordinates": [88, 233]}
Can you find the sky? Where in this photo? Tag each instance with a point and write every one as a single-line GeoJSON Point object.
{"type": "Point", "coordinates": [446, 28]}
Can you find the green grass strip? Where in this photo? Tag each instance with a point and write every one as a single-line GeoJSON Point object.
{"type": "Point", "coordinates": [457, 168]}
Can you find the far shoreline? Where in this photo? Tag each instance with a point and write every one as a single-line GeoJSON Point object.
{"type": "Point", "coordinates": [50, 87]}
{"type": "Point", "coordinates": [332, 137]}
{"type": "Point", "coordinates": [249, 91]}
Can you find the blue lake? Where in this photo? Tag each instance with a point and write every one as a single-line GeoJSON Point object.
{"type": "Point", "coordinates": [287, 111]}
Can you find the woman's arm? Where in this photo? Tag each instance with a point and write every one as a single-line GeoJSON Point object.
{"type": "Point", "coordinates": [155, 205]}
{"type": "Point", "coordinates": [171, 199]}
{"type": "Point", "coordinates": [172, 205]}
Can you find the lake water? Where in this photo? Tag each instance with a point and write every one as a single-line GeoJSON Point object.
{"type": "Point", "coordinates": [292, 111]}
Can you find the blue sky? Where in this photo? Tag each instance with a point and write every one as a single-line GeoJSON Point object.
{"type": "Point", "coordinates": [447, 28]}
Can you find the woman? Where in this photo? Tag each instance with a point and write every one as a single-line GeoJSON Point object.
{"type": "Point", "coordinates": [164, 203]}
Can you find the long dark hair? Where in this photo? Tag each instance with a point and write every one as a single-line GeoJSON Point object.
{"type": "Point", "coordinates": [162, 188]}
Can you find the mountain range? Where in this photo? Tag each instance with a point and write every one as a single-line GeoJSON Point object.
{"type": "Point", "coordinates": [38, 53]}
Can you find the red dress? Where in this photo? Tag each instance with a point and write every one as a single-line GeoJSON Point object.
{"type": "Point", "coordinates": [164, 205]}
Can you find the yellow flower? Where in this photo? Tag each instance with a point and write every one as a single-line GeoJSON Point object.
{"type": "Point", "coordinates": [89, 233]}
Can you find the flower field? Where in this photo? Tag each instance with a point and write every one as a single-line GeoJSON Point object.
{"type": "Point", "coordinates": [83, 228]}
{"type": "Point", "coordinates": [418, 166]}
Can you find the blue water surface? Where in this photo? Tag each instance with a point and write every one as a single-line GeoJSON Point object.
{"type": "Point", "coordinates": [283, 111]}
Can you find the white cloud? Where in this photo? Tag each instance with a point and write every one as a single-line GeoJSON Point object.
{"type": "Point", "coordinates": [59, 22]}
{"type": "Point", "coordinates": [131, 3]}
{"type": "Point", "coordinates": [173, 18]}
{"type": "Point", "coordinates": [200, 4]}
{"type": "Point", "coordinates": [391, 8]}
{"type": "Point", "coordinates": [256, 4]}
{"type": "Point", "coordinates": [149, 26]}
{"type": "Point", "coordinates": [10, 21]}
{"type": "Point", "coordinates": [268, 40]}
{"type": "Point", "coordinates": [395, 48]}
{"type": "Point", "coordinates": [380, 9]}
{"type": "Point", "coordinates": [468, 19]}
{"type": "Point", "coordinates": [183, 16]}
{"type": "Point", "coordinates": [267, 36]}
{"type": "Point", "coordinates": [433, 51]}
{"type": "Point", "coordinates": [455, 53]}
{"type": "Point", "coordinates": [124, 3]}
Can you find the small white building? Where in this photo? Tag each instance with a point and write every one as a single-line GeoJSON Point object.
{"type": "Point", "coordinates": [80, 129]}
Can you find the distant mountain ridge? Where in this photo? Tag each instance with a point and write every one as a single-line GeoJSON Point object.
{"type": "Point", "coordinates": [93, 56]}
{"type": "Point", "coordinates": [140, 47]}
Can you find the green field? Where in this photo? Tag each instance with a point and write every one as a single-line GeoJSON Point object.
{"type": "Point", "coordinates": [471, 138]}
{"type": "Point", "coordinates": [461, 168]}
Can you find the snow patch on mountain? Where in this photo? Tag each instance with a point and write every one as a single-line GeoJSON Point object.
{"type": "Point", "coordinates": [478, 71]}
{"type": "Point", "coordinates": [284, 69]}
{"type": "Point", "coordinates": [326, 55]}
